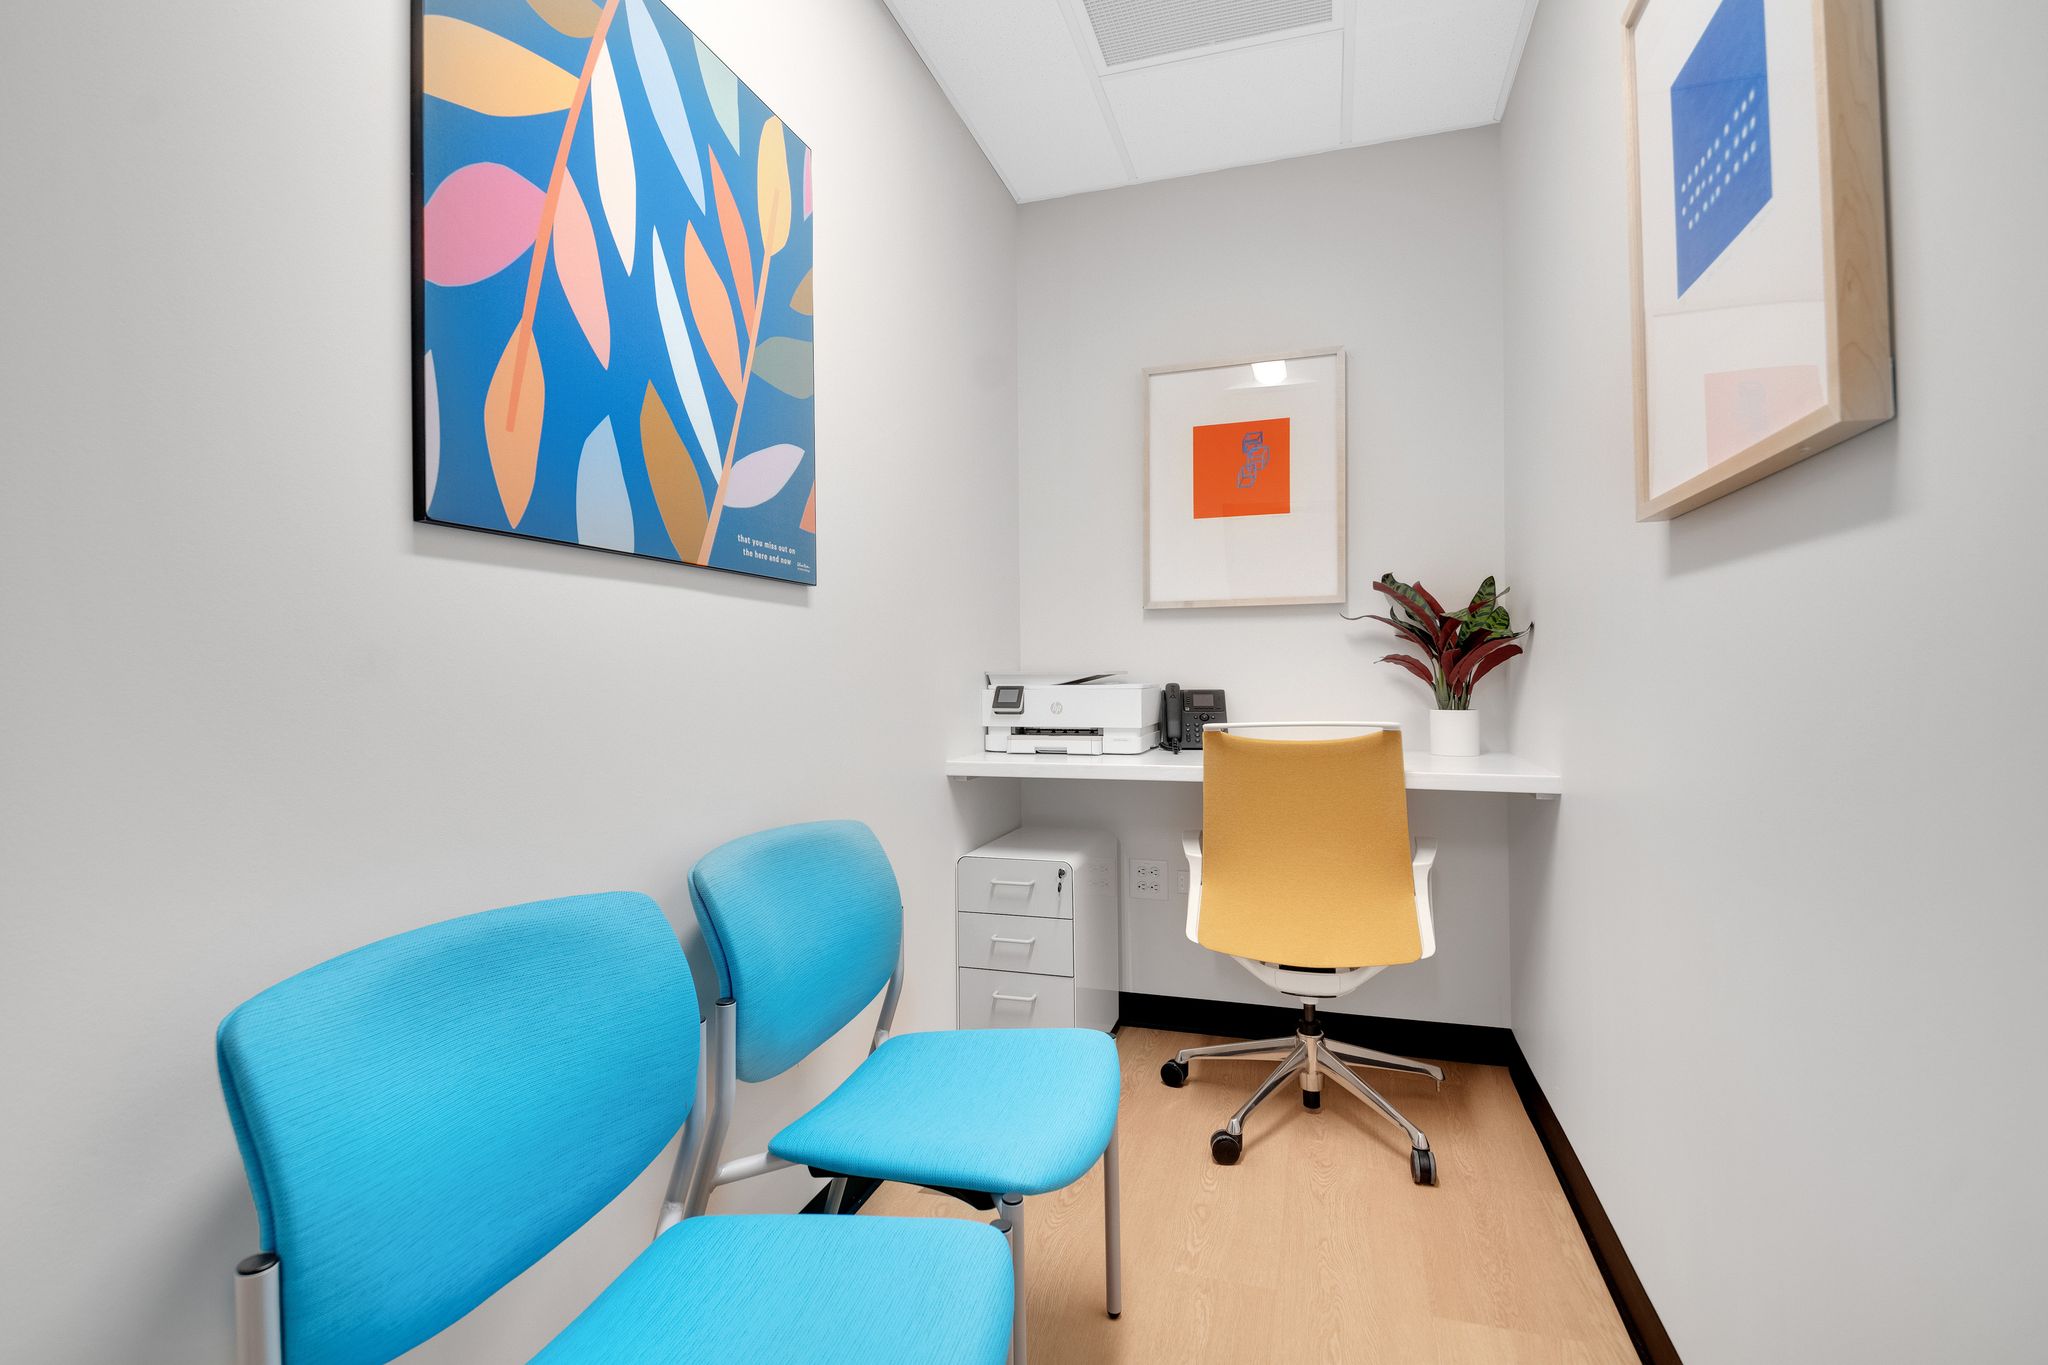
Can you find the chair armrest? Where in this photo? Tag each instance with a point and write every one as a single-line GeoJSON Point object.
{"type": "Point", "coordinates": [1425, 870]}
{"type": "Point", "coordinates": [1191, 849]}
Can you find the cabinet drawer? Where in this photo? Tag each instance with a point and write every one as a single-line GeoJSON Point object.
{"type": "Point", "coordinates": [1017, 943]}
{"type": "Point", "coordinates": [1015, 1000]}
{"type": "Point", "coordinates": [1015, 886]}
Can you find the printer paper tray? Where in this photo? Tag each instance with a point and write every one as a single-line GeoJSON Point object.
{"type": "Point", "coordinates": [1055, 744]}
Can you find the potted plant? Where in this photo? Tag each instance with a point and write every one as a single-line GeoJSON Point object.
{"type": "Point", "coordinates": [1460, 648]}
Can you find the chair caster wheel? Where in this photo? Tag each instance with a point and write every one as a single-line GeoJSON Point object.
{"type": "Point", "coordinates": [1422, 1162]}
{"type": "Point", "coordinates": [1174, 1073]}
{"type": "Point", "coordinates": [1225, 1147]}
{"type": "Point", "coordinates": [1311, 1099]}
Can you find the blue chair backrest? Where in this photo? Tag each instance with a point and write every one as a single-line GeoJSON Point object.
{"type": "Point", "coordinates": [804, 923]}
{"type": "Point", "coordinates": [424, 1118]}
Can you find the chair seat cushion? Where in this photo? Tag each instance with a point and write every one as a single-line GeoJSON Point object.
{"type": "Point", "coordinates": [1001, 1111]}
{"type": "Point", "coordinates": [776, 1289]}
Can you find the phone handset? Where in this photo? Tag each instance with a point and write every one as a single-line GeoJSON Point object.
{"type": "Point", "coordinates": [1170, 732]}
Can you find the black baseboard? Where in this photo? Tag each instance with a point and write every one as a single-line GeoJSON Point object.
{"type": "Point", "coordinates": [1471, 1044]}
{"type": "Point", "coordinates": [1653, 1344]}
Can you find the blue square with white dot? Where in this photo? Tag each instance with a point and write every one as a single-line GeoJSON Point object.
{"type": "Point", "coordinates": [1720, 137]}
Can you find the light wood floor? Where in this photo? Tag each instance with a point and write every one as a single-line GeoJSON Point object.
{"type": "Point", "coordinates": [1317, 1246]}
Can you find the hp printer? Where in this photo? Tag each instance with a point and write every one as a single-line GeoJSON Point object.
{"type": "Point", "coordinates": [1068, 713]}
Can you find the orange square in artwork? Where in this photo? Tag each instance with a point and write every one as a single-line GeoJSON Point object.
{"type": "Point", "coordinates": [1241, 469]}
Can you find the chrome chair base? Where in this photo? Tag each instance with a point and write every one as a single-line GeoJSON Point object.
{"type": "Point", "coordinates": [1312, 1056]}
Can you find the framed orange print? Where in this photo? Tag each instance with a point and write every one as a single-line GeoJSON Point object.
{"type": "Point", "coordinates": [1241, 469]}
{"type": "Point", "coordinates": [1244, 482]}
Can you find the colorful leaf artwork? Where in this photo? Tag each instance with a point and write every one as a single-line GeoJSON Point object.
{"type": "Point", "coordinates": [712, 307]}
{"type": "Point", "coordinates": [673, 475]}
{"type": "Point", "coordinates": [773, 178]}
{"type": "Point", "coordinates": [785, 362]}
{"type": "Point", "coordinates": [664, 97]}
{"type": "Point", "coordinates": [773, 200]}
{"type": "Point", "coordinates": [588, 398]}
{"type": "Point", "coordinates": [430, 429]}
{"type": "Point", "coordinates": [481, 70]}
{"type": "Point", "coordinates": [722, 89]}
{"type": "Point", "coordinates": [576, 265]}
{"type": "Point", "coordinates": [612, 146]}
{"type": "Point", "coordinates": [682, 356]}
{"type": "Point", "coordinates": [604, 515]}
{"type": "Point", "coordinates": [571, 18]}
{"type": "Point", "coordinates": [739, 253]}
{"type": "Point", "coordinates": [761, 475]}
{"type": "Point", "coordinates": [512, 416]}
{"type": "Point", "coordinates": [478, 221]}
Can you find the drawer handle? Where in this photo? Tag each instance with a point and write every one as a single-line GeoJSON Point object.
{"type": "Point", "coordinates": [1005, 938]}
{"type": "Point", "coordinates": [1030, 999]}
{"type": "Point", "coordinates": [1004, 881]}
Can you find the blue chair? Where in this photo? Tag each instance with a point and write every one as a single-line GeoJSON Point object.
{"type": "Point", "coordinates": [424, 1118]}
{"type": "Point", "coordinates": [805, 926]}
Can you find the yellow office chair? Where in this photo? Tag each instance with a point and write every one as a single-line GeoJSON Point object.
{"type": "Point", "coordinates": [1303, 872]}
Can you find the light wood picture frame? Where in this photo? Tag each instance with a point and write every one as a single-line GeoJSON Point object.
{"type": "Point", "coordinates": [1761, 289]}
{"type": "Point", "coordinates": [1244, 496]}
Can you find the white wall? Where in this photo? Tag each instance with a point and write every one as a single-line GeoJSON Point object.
{"type": "Point", "coordinates": [1778, 951]}
{"type": "Point", "coordinates": [253, 716]}
{"type": "Point", "coordinates": [1394, 253]}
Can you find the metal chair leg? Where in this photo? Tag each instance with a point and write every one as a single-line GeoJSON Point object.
{"type": "Point", "coordinates": [1252, 1050]}
{"type": "Point", "coordinates": [1386, 1061]}
{"type": "Point", "coordinates": [259, 1333]}
{"type": "Point", "coordinates": [1113, 1227]}
{"type": "Point", "coordinates": [1334, 1067]}
{"type": "Point", "coordinates": [1295, 1061]}
{"type": "Point", "coordinates": [835, 1194]}
{"type": "Point", "coordinates": [1010, 1209]}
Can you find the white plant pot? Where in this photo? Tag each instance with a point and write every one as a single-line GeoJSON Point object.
{"type": "Point", "coordinates": [1454, 734]}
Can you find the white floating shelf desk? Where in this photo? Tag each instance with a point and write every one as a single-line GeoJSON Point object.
{"type": "Point", "coordinates": [1426, 772]}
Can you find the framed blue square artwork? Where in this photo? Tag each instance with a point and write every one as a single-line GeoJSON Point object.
{"type": "Point", "coordinates": [1720, 137]}
{"type": "Point", "coordinates": [1759, 275]}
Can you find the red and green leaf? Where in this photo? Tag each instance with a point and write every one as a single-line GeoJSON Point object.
{"type": "Point", "coordinates": [1416, 602]}
{"type": "Point", "coordinates": [1481, 662]}
{"type": "Point", "coordinates": [1414, 632]}
{"type": "Point", "coordinates": [1413, 665]}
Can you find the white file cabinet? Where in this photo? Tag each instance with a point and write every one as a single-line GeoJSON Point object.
{"type": "Point", "coordinates": [1037, 931]}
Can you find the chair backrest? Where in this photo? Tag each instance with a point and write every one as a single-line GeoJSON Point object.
{"type": "Point", "coordinates": [424, 1118]}
{"type": "Point", "coordinates": [1305, 856]}
{"type": "Point", "coordinates": [804, 923]}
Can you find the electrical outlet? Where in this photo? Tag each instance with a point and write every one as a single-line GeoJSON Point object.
{"type": "Point", "coordinates": [1148, 879]}
{"type": "Point", "coordinates": [1180, 880]}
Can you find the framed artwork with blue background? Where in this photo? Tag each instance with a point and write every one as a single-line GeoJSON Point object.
{"type": "Point", "coordinates": [612, 314]}
{"type": "Point", "coordinates": [1762, 316]}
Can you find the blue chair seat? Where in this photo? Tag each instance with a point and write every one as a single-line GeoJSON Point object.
{"type": "Point", "coordinates": [779, 1289]}
{"type": "Point", "coordinates": [1002, 1111]}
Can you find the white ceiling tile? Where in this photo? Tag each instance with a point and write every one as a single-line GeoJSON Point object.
{"type": "Point", "coordinates": [1259, 103]}
{"type": "Point", "coordinates": [1426, 66]}
{"type": "Point", "coordinates": [1206, 84]}
{"type": "Point", "coordinates": [1139, 30]}
{"type": "Point", "coordinates": [1018, 79]}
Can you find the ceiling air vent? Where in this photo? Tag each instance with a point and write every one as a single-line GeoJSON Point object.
{"type": "Point", "coordinates": [1138, 30]}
